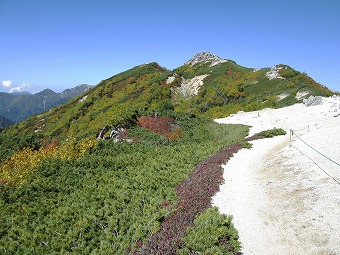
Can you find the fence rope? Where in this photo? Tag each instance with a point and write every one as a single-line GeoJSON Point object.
{"type": "Point", "coordinates": [298, 130]}
{"type": "Point", "coordinates": [292, 133]}
{"type": "Point", "coordinates": [330, 176]}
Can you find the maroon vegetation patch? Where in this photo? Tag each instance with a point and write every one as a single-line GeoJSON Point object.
{"type": "Point", "coordinates": [195, 195]}
{"type": "Point", "coordinates": [159, 125]}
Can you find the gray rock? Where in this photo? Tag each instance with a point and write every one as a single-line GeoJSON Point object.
{"type": "Point", "coordinates": [204, 57]}
{"type": "Point", "coordinates": [313, 100]}
{"type": "Point", "coordinates": [274, 72]}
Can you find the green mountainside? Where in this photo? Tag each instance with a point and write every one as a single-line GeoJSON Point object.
{"type": "Point", "coordinates": [205, 85]}
{"type": "Point", "coordinates": [5, 123]}
{"type": "Point", "coordinates": [129, 167]}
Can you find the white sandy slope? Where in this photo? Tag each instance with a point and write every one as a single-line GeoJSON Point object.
{"type": "Point", "coordinates": [281, 197]}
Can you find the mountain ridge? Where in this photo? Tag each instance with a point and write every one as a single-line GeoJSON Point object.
{"type": "Point", "coordinates": [120, 168]}
{"type": "Point", "coordinates": [204, 85]}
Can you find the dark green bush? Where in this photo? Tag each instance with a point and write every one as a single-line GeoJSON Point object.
{"type": "Point", "coordinates": [246, 145]}
{"type": "Point", "coordinates": [212, 233]}
{"type": "Point", "coordinates": [271, 133]}
{"type": "Point", "coordinates": [12, 143]}
{"type": "Point", "coordinates": [110, 200]}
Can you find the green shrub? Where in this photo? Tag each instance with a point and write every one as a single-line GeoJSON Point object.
{"type": "Point", "coordinates": [9, 144]}
{"type": "Point", "coordinates": [212, 233]}
{"type": "Point", "coordinates": [288, 72]}
{"type": "Point", "coordinates": [109, 200]}
{"type": "Point", "coordinates": [246, 145]}
{"type": "Point", "coordinates": [271, 132]}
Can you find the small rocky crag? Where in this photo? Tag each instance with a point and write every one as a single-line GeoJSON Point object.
{"type": "Point", "coordinates": [205, 57]}
{"type": "Point", "coordinates": [191, 87]}
{"type": "Point", "coordinates": [274, 72]}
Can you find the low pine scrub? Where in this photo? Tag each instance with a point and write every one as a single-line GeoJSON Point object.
{"type": "Point", "coordinates": [270, 133]}
{"type": "Point", "coordinates": [212, 233]}
{"type": "Point", "coordinates": [114, 198]}
{"type": "Point", "coordinates": [195, 194]}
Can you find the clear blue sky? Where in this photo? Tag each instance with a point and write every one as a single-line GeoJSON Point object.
{"type": "Point", "coordinates": [61, 44]}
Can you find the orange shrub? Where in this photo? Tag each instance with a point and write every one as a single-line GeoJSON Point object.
{"type": "Point", "coordinates": [176, 134]}
{"type": "Point", "coordinates": [159, 125]}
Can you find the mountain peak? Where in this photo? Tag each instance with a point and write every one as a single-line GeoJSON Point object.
{"type": "Point", "coordinates": [76, 90]}
{"type": "Point", "coordinates": [204, 57]}
{"type": "Point", "coordinates": [46, 92]}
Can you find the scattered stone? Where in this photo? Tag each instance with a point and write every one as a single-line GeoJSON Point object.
{"type": "Point", "coordinates": [313, 100]}
{"type": "Point", "coordinates": [102, 133]}
{"type": "Point", "coordinates": [282, 96]}
{"type": "Point", "coordinates": [117, 134]}
{"type": "Point", "coordinates": [39, 129]}
{"type": "Point", "coordinates": [274, 72]}
{"type": "Point", "coordinates": [170, 79]}
{"type": "Point", "coordinates": [82, 99]}
{"type": "Point", "coordinates": [301, 94]}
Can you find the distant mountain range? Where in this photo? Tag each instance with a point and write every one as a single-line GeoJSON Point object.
{"type": "Point", "coordinates": [19, 106]}
{"type": "Point", "coordinates": [21, 93]}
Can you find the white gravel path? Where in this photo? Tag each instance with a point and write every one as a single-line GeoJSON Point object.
{"type": "Point", "coordinates": [281, 197]}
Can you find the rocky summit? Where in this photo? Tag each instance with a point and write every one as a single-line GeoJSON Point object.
{"type": "Point", "coordinates": [204, 57]}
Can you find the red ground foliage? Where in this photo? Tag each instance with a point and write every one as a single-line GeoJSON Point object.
{"type": "Point", "coordinates": [230, 72]}
{"type": "Point", "coordinates": [195, 195]}
{"type": "Point", "coordinates": [159, 125]}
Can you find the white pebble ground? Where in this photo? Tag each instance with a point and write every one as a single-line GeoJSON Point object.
{"type": "Point", "coordinates": [283, 195]}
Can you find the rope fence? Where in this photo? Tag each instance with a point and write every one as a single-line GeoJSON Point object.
{"type": "Point", "coordinates": [293, 133]}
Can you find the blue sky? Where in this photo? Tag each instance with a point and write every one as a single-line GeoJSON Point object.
{"type": "Point", "coordinates": [61, 44]}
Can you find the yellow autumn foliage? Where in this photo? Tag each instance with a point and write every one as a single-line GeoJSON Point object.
{"type": "Point", "coordinates": [25, 161]}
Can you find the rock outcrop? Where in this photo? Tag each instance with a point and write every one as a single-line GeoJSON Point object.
{"type": "Point", "coordinates": [313, 100]}
{"type": "Point", "coordinates": [301, 94]}
{"type": "Point", "coordinates": [274, 72]}
{"type": "Point", "coordinates": [205, 57]}
{"type": "Point", "coordinates": [191, 87]}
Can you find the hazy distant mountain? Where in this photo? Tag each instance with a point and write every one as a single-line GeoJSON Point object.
{"type": "Point", "coordinates": [69, 93]}
{"type": "Point", "coordinates": [20, 106]}
{"type": "Point", "coordinates": [21, 93]}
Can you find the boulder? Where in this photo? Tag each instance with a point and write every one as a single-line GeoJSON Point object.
{"type": "Point", "coordinates": [313, 100]}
